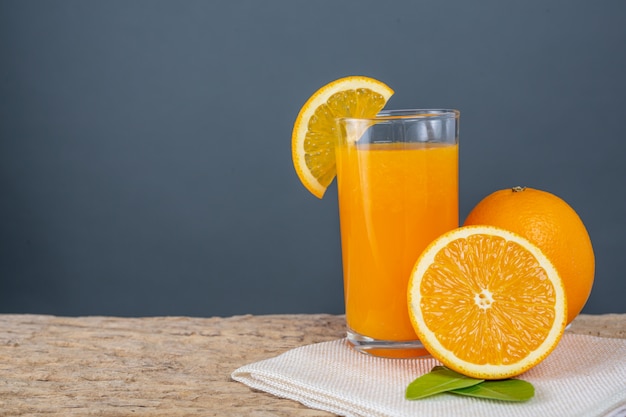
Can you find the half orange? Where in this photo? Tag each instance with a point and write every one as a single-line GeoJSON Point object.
{"type": "Point", "coordinates": [313, 139]}
{"type": "Point", "coordinates": [486, 302]}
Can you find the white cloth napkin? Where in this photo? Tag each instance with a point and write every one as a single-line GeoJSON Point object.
{"type": "Point", "coordinates": [584, 376]}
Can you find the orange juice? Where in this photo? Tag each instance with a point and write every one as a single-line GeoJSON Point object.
{"type": "Point", "coordinates": [394, 199]}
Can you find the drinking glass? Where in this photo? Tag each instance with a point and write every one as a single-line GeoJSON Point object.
{"type": "Point", "coordinates": [397, 179]}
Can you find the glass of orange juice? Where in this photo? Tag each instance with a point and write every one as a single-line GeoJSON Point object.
{"type": "Point", "coordinates": [397, 178]}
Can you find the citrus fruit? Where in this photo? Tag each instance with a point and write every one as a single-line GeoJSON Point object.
{"type": "Point", "coordinates": [486, 302]}
{"type": "Point", "coordinates": [554, 226]}
{"type": "Point", "coordinates": [313, 138]}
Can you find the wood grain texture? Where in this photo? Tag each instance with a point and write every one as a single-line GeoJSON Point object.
{"type": "Point", "coordinates": [164, 366]}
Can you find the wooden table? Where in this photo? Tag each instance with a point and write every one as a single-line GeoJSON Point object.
{"type": "Point", "coordinates": [164, 366]}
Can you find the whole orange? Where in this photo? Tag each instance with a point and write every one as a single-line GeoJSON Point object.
{"type": "Point", "coordinates": [552, 225]}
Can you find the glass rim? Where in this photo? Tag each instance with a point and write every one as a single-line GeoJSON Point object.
{"type": "Point", "coordinates": [410, 114]}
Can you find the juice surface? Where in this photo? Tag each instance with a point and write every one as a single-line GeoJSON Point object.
{"type": "Point", "coordinates": [394, 199]}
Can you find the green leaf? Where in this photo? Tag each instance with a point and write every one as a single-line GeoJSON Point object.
{"type": "Point", "coordinates": [503, 390]}
{"type": "Point", "coordinates": [440, 379]}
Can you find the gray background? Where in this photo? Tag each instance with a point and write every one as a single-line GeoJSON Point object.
{"type": "Point", "coordinates": [145, 161]}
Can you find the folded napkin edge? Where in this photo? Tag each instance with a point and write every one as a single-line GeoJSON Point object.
{"type": "Point", "coordinates": [307, 395]}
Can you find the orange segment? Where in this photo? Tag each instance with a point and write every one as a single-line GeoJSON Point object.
{"type": "Point", "coordinates": [486, 302]}
{"type": "Point", "coordinates": [313, 138]}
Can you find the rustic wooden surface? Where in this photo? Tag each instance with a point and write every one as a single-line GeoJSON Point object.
{"type": "Point", "coordinates": [164, 366]}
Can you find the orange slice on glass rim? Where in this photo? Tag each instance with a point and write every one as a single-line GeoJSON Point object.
{"type": "Point", "coordinates": [313, 138]}
{"type": "Point", "coordinates": [486, 302]}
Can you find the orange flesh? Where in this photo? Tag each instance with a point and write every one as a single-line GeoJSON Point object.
{"type": "Point", "coordinates": [319, 143]}
{"type": "Point", "coordinates": [503, 306]}
{"type": "Point", "coordinates": [394, 199]}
